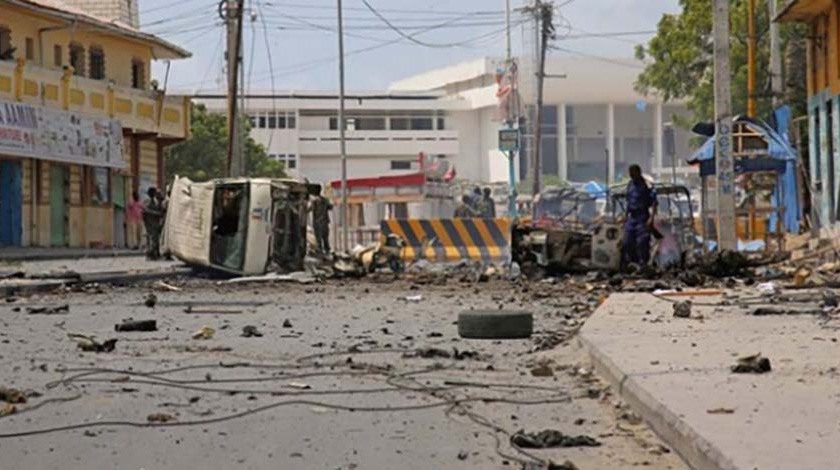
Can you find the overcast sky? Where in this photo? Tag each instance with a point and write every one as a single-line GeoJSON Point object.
{"type": "Point", "coordinates": [303, 44]}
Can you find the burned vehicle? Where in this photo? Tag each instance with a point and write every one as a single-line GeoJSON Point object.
{"type": "Point", "coordinates": [241, 226]}
{"type": "Point", "coordinates": [567, 235]}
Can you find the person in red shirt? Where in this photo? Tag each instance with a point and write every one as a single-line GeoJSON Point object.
{"type": "Point", "coordinates": [134, 220]}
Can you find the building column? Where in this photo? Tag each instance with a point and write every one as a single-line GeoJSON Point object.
{"type": "Point", "coordinates": [562, 151]}
{"type": "Point", "coordinates": [610, 143]}
{"type": "Point", "coordinates": [657, 139]}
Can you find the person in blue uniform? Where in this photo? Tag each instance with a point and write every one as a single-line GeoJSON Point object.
{"type": "Point", "coordinates": [641, 209]}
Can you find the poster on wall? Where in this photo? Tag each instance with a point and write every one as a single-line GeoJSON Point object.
{"type": "Point", "coordinates": [51, 134]}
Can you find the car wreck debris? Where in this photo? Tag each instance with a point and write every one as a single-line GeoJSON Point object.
{"type": "Point", "coordinates": [90, 344]}
{"type": "Point", "coordinates": [549, 438]}
{"type": "Point", "coordinates": [755, 364]}
{"type": "Point", "coordinates": [136, 325]}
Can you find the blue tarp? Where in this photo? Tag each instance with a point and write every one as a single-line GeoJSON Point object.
{"type": "Point", "coordinates": [782, 159]}
{"type": "Point", "coordinates": [596, 189]}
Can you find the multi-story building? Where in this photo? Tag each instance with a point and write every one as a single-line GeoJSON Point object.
{"type": "Point", "coordinates": [81, 124]}
{"type": "Point", "coordinates": [591, 118]}
{"type": "Point", "coordinates": [823, 83]}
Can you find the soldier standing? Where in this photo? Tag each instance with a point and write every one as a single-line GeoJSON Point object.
{"type": "Point", "coordinates": [321, 208]}
{"type": "Point", "coordinates": [153, 221]}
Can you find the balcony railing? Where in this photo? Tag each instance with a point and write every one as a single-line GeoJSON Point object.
{"type": "Point", "coordinates": [140, 110]}
{"type": "Point", "coordinates": [326, 142]}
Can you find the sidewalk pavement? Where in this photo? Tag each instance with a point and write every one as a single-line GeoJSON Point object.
{"type": "Point", "coordinates": [31, 253]}
{"type": "Point", "coordinates": [66, 271]}
{"type": "Point", "coordinates": [675, 373]}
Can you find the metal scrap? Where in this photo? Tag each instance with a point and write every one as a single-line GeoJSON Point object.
{"type": "Point", "coordinates": [755, 364]}
{"type": "Point", "coordinates": [49, 310]}
{"type": "Point", "coordinates": [549, 438]}
{"type": "Point", "coordinates": [90, 344]}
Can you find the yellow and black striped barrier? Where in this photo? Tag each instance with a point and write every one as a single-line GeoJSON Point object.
{"type": "Point", "coordinates": [485, 240]}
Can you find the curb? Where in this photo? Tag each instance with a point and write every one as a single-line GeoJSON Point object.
{"type": "Point", "coordinates": [106, 278]}
{"type": "Point", "coordinates": [695, 450]}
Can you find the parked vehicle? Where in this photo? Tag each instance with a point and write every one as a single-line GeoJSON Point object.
{"type": "Point", "coordinates": [241, 226]}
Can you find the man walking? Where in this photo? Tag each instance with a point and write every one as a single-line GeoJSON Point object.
{"type": "Point", "coordinates": [641, 210]}
{"type": "Point", "coordinates": [153, 221]}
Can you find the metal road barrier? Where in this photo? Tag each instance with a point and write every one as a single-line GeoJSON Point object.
{"type": "Point", "coordinates": [486, 240]}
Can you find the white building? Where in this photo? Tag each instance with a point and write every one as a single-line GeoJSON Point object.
{"type": "Point", "coordinates": [595, 124]}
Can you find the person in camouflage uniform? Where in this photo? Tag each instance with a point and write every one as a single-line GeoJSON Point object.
{"type": "Point", "coordinates": [487, 207]}
{"type": "Point", "coordinates": [153, 212]}
{"type": "Point", "coordinates": [465, 210]}
{"type": "Point", "coordinates": [321, 208]}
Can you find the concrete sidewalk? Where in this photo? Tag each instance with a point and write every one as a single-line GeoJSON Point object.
{"type": "Point", "coordinates": [675, 373]}
{"type": "Point", "coordinates": [85, 270]}
{"type": "Point", "coordinates": [16, 253]}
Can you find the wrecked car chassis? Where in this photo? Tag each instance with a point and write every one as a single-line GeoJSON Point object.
{"type": "Point", "coordinates": [596, 245]}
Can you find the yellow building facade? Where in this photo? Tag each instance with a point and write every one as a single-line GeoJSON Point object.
{"type": "Point", "coordinates": [81, 124]}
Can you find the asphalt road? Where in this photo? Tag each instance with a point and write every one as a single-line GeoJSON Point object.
{"type": "Point", "coordinates": [295, 398]}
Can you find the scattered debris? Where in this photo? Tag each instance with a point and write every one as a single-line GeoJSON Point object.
{"type": "Point", "coordinates": [160, 418]}
{"type": "Point", "coordinates": [48, 310]}
{"type": "Point", "coordinates": [755, 364]}
{"type": "Point", "coordinates": [829, 299]}
{"type": "Point", "coordinates": [721, 411]}
{"type": "Point", "coordinates": [300, 385]}
{"type": "Point", "coordinates": [412, 298]}
{"type": "Point", "coordinates": [136, 325]}
{"type": "Point", "coordinates": [160, 285]}
{"type": "Point", "coordinates": [287, 323]}
{"type": "Point", "coordinates": [151, 300]}
{"type": "Point", "coordinates": [7, 409]}
{"type": "Point", "coordinates": [205, 332]}
{"type": "Point", "coordinates": [682, 309]}
{"type": "Point", "coordinates": [462, 455]}
{"type": "Point", "coordinates": [90, 344]}
{"type": "Point", "coordinates": [300, 277]}
{"type": "Point", "coordinates": [12, 395]}
{"type": "Point", "coordinates": [438, 353]}
{"type": "Point", "coordinates": [767, 288]}
{"type": "Point", "coordinates": [551, 438]}
{"type": "Point", "coordinates": [543, 370]}
{"type": "Point", "coordinates": [251, 331]}
{"type": "Point", "coordinates": [211, 311]}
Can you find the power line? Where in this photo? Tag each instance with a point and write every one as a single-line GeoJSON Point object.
{"type": "Point", "coordinates": [385, 10]}
{"type": "Point", "coordinates": [597, 57]}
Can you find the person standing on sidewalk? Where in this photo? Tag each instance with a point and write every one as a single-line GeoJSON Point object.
{"type": "Point", "coordinates": [153, 221]}
{"type": "Point", "coordinates": [321, 208]}
{"type": "Point", "coordinates": [134, 219]}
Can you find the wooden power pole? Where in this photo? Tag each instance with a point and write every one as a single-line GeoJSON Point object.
{"type": "Point", "coordinates": [233, 22]}
{"type": "Point", "coordinates": [724, 162]}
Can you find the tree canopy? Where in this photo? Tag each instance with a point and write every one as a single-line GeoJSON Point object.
{"type": "Point", "coordinates": [204, 155]}
{"type": "Point", "coordinates": [680, 59]}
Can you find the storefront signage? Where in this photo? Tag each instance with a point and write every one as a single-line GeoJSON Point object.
{"type": "Point", "coordinates": [51, 134]}
{"type": "Point", "coordinates": [509, 140]}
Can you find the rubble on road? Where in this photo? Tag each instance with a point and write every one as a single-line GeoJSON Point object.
{"type": "Point", "coordinates": [682, 309]}
{"type": "Point", "coordinates": [50, 310]}
{"type": "Point", "coordinates": [160, 418]}
{"type": "Point", "coordinates": [205, 332]}
{"type": "Point", "coordinates": [549, 438]}
{"type": "Point", "coordinates": [12, 395]}
{"type": "Point", "coordinates": [251, 331]}
{"type": "Point", "coordinates": [90, 344]}
{"type": "Point", "coordinates": [136, 325]}
{"type": "Point", "coordinates": [754, 364]}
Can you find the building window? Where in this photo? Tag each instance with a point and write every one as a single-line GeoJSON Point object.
{"type": "Point", "coordinates": [399, 124]}
{"type": "Point", "coordinates": [401, 164]}
{"type": "Point", "coordinates": [292, 121]}
{"type": "Point", "coordinates": [30, 49]}
{"type": "Point", "coordinates": [262, 122]}
{"type": "Point", "coordinates": [421, 124]}
{"type": "Point", "coordinates": [333, 124]}
{"type": "Point", "coordinates": [289, 161]}
{"type": "Point", "coordinates": [96, 63]}
{"type": "Point", "coordinates": [253, 120]}
{"type": "Point", "coordinates": [77, 59]}
{"type": "Point", "coordinates": [272, 121]}
{"type": "Point", "coordinates": [412, 124]}
{"type": "Point", "coordinates": [58, 56]}
{"type": "Point", "coordinates": [370, 124]}
{"type": "Point", "coordinates": [138, 74]}
{"type": "Point", "coordinates": [281, 121]}
{"type": "Point", "coordinates": [440, 124]}
{"type": "Point", "coordinates": [7, 52]}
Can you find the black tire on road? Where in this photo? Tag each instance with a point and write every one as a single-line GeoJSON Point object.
{"type": "Point", "coordinates": [495, 324]}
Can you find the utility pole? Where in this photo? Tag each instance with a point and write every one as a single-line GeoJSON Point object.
{"type": "Point", "coordinates": [751, 44]}
{"type": "Point", "coordinates": [775, 56]}
{"type": "Point", "coordinates": [233, 20]}
{"type": "Point", "coordinates": [511, 118]}
{"type": "Point", "coordinates": [543, 13]}
{"type": "Point", "coordinates": [724, 162]}
{"type": "Point", "coordinates": [345, 222]}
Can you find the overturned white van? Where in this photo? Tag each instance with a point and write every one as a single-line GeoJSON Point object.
{"type": "Point", "coordinates": [241, 226]}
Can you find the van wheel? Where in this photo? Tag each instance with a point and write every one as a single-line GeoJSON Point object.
{"type": "Point", "coordinates": [495, 324]}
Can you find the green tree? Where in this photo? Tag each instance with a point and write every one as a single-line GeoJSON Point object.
{"type": "Point", "coordinates": [680, 59]}
{"type": "Point", "coordinates": [204, 155]}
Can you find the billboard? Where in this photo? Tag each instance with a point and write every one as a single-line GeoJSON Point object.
{"type": "Point", "coordinates": [51, 134]}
